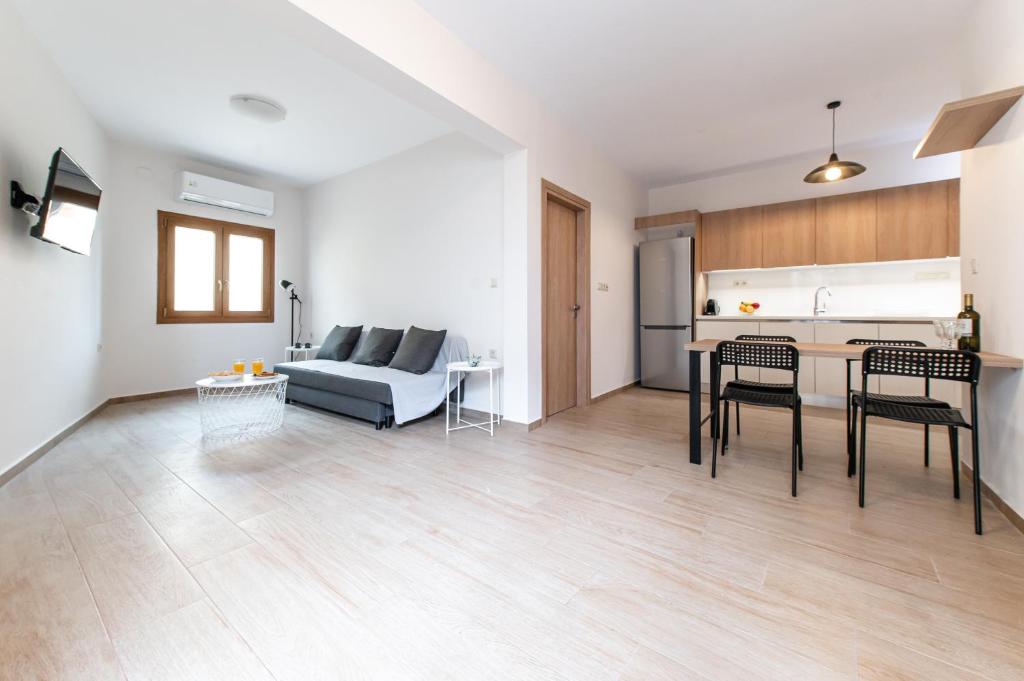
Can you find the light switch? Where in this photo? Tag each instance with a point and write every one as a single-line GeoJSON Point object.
{"type": "Point", "coordinates": [494, 282]}
{"type": "Point", "coordinates": [602, 286]}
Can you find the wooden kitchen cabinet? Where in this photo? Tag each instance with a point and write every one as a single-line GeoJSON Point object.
{"type": "Point", "coordinates": [732, 239]}
{"type": "Point", "coordinates": [788, 235]}
{"type": "Point", "coordinates": [845, 228]}
{"type": "Point", "coordinates": [913, 221]}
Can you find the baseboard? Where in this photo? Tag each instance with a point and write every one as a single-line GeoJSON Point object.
{"type": "Point", "coordinates": [42, 449]}
{"type": "Point", "coordinates": [151, 396]}
{"type": "Point", "coordinates": [614, 391]}
{"type": "Point", "coordinates": [1015, 519]}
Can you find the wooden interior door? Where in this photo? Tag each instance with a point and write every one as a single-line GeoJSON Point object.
{"type": "Point", "coordinates": [561, 309]}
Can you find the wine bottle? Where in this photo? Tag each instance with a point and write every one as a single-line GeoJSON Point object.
{"type": "Point", "coordinates": [970, 325]}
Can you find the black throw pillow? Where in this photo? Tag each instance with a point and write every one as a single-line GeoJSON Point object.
{"type": "Point", "coordinates": [418, 350]}
{"type": "Point", "coordinates": [339, 343]}
{"type": "Point", "coordinates": [378, 348]}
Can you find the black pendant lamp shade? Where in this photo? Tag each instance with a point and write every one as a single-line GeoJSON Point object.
{"type": "Point", "coordinates": [834, 170]}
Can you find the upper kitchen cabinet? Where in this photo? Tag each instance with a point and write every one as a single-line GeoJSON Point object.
{"type": "Point", "coordinates": [789, 234]}
{"type": "Point", "coordinates": [913, 221]}
{"type": "Point", "coordinates": [732, 239]}
{"type": "Point", "coordinates": [846, 228]}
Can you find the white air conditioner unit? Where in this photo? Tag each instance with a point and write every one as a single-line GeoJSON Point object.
{"type": "Point", "coordinates": [209, 191]}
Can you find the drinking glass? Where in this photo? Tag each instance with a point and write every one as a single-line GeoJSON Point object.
{"type": "Point", "coordinates": [257, 365]}
{"type": "Point", "coordinates": [238, 366]}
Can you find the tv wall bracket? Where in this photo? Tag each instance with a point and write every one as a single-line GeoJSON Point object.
{"type": "Point", "coordinates": [22, 200]}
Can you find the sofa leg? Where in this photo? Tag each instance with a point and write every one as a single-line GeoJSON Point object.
{"type": "Point", "coordinates": [390, 421]}
{"type": "Point", "coordinates": [377, 425]}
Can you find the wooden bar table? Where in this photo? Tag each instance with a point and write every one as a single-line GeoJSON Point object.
{"type": "Point", "coordinates": [989, 360]}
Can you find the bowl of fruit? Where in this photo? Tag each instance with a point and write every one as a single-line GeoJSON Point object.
{"type": "Point", "coordinates": [749, 307]}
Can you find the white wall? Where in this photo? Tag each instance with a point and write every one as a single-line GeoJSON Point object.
{"type": "Point", "coordinates": [148, 357]}
{"type": "Point", "coordinates": [992, 213]}
{"type": "Point", "coordinates": [427, 64]}
{"type": "Point", "coordinates": [413, 239]}
{"type": "Point", "coordinates": [887, 166]}
{"type": "Point", "coordinates": [51, 298]}
{"type": "Point", "coordinates": [916, 288]}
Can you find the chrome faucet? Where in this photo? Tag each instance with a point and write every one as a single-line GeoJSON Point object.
{"type": "Point", "coordinates": [819, 300]}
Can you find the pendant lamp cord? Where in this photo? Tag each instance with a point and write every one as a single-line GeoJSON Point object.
{"type": "Point", "coordinates": [834, 130]}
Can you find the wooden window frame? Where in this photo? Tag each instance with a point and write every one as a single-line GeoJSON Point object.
{"type": "Point", "coordinates": [165, 312]}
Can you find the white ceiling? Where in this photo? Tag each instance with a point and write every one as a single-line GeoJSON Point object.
{"type": "Point", "coordinates": [672, 89]}
{"type": "Point", "coordinates": [161, 73]}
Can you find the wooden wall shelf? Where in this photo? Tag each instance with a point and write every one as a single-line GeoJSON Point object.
{"type": "Point", "coordinates": [961, 125]}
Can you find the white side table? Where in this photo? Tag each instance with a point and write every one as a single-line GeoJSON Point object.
{"type": "Point", "coordinates": [493, 370]}
{"type": "Point", "coordinates": [305, 352]}
{"type": "Point", "coordinates": [242, 407]}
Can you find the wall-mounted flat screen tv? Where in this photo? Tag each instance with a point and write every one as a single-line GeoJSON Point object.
{"type": "Point", "coordinates": [67, 215]}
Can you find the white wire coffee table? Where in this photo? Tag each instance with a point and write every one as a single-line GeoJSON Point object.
{"type": "Point", "coordinates": [243, 407]}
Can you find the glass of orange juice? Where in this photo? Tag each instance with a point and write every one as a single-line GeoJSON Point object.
{"type": "Point", "coordinates": [257, 365]}
{"type": "Point", "coordinates": [238, 366]}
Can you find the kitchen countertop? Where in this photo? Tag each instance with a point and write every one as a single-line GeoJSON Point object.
{"type": "Point", "coordinates": [822, 318]}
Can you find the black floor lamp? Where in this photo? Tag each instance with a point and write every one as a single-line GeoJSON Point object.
{"type": "Point", "coordinates": [290, 287]}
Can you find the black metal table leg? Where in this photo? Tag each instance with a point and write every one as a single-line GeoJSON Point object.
{"type": "Point", "coordinates": [694, 407]}
{"type": "Point", "coordinates": [716, 391]}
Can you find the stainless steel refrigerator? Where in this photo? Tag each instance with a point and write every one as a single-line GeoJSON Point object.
{"type": "Point", "coordinates": [666, 312]}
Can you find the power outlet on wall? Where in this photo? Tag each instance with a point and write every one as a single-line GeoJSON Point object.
{"type": "Point", "coordinates": [601, 286]}
{"type": "Point", "coordinates": [739, 283]}
{"type": "Point", "coordinates": [492, 354]}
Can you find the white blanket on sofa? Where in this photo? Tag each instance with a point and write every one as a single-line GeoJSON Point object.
{"type": "Point", "coordinates": [412, 395]}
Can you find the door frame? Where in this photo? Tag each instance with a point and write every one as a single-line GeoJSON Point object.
{"type": "Point", "coordinates": [551, 191]}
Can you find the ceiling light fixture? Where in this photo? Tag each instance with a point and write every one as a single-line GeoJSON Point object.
{"type": "Point", "coordinates": [258, 108]}
{"type": "Point", "coordinates": [835, 169]}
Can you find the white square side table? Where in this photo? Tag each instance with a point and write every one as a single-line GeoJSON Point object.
{"type": "Point", "coordinates": [290, 357]}
{"type": "Point", "coordinates": [494, 372]}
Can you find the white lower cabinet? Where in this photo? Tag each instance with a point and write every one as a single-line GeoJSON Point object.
{"type": "Point", "coordinates": [724, 331]}
{"type": "Point", "coordinates": [803, 333]}
{"type": "Point", "coordinates": [823, 379]}
{"type": "Point", "coordinates": [830, 373]}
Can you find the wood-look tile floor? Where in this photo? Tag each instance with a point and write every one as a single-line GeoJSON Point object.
{"type": "Point", "coordinates": [588, 549]}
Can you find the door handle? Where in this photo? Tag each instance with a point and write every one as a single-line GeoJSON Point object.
{"type": "Point", "coordinates": [575, 309]}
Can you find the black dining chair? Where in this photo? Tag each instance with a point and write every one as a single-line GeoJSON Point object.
{"type": "Point", "coordinates": [852, 395]}
{"type": "Point", "coordinates": [783, 387]}
{"type": "Point", "coordinates": [764, 356]}
{"type": "Point", "coordinates": [927, 363]}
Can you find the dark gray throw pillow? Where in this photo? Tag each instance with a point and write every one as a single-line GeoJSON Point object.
{"type": "Point", "coordinates": [418, 350]}
{"type": "Point", "coordinates": [378, 348]}
{"type": "Point", "coordinates": [339, 343]}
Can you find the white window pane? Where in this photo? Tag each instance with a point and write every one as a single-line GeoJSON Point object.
{"type": "Point", "coordinates": [245, 273]}
{"type": "Point", "coordinates": [195, 269]}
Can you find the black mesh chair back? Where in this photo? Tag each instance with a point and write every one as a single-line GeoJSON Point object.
{"type": "Point", "coordinates": [929, 363]}
{"type": "Point", "coordinates": [765, 339]}
{"type": "Point", "coordinates": [887, 343]}
{"type": "Point", "coordinates": [763, 355]}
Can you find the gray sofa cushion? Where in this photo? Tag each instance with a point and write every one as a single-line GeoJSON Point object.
{"type": "Point", "coordinates": [418, 350]}
{"type": "Point", "coordinates": [343, 385]}
{"type": "Point", "coordinates": [378, 348]}
{"type": "Point", "coordinates": [339, 343]}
